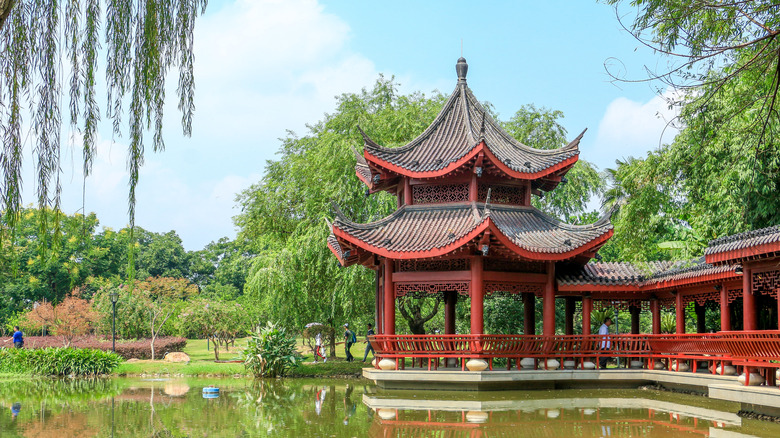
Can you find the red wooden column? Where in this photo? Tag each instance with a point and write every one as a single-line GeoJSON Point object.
{"type": "Point", "coordinates": [679, 309]}
{"type": "Point", "coordinates": [655, 309]}
{"type": "Point", "coordinates": [725, 309]}
{"type": "Point", "coordinates": [569, 312]}
{"type": "Point", "coordinates": [378, 318]}
{"type": "Point", "coordinates": [408, 199]}
{"type": "Point", "coordinates": [587, 309]}
{"type": "Point", "coordinates": [548, 302]}
{"type": "Point", "coordinates": [634, 311]}
{"type": "Point", "coordinates": [450, 301]}
{"type": "Point", "coordinates": [473, 188]}
{"type": "Point", "coordinates": [477, 321]}
{"type": "Point", "coordinates": [748, 301]}
{"type": "Point", "coordinates": [529, 313]}
{"type": "Point", "coordinates": [389, 295]}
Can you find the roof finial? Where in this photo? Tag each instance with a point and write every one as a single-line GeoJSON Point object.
{"type": "Point", "coordinates": [462, 68]}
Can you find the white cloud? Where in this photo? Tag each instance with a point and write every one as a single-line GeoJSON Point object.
{"type": "Point", "coordinates": [630, 128]}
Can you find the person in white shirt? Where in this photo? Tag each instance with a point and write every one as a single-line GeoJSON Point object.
{"type": "Point", "coordinates": [605, 343]}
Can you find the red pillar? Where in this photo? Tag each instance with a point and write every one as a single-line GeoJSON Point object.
{"type": "Point", "coordinates": [529, 313]}
{"type": "Point", "coordinates": [587, 309]}
{"type": "Point", "coordinates": [473, 188]}
{"type": "Point", "coordinates": [450, 301]}
{"type": "Point", "coordinates": [679, 308]}
{"type": "Point", "coordinates": [477, 322]}
{"type": "Point", "coordinates": [569, 312]}
{"type": "Point", "coordinates": [378, 301]}
{"type": "Point", "coordinates": [408, 199]}
{"type": "Point", "coordinates": [634, 311]}
{"type": "Point", "coordinates": [748, 301]}
{"type": "Point", "coordinates": [389, 295]}
{"type": "Point", "coordinates": [725, 309]}
{"type": "Point", "coordinates": [548, 302]}
{"type": "Point", "coordinates": [655, 309]}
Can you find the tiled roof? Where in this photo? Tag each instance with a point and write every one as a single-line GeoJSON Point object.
{"type": "Point", "coordinates": [641, 274]}
{"type": "Point", "coordinates": [414, 229]}
{"type": "Point", "coordinates": [614, 273]}
{"type": "Point", "coordinates": [459, 128]}
{"type": "Point", "coordinates": [744, 240]}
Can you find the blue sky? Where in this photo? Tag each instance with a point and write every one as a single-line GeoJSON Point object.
{"type": "Point", "coordinates": [267, 66]}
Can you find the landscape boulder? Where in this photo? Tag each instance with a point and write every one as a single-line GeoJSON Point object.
{"type": "Point", "coordinates": [177, 356]}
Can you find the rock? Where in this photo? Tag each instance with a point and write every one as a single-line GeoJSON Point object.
{"type": "Point", "coordinates": [659, 365]}
{"type": "Point", "coordinates": [553, 413]}
{"type": "Point", "coordinates": [373, 363]}
{"type": "Point", "coordinates": [777, 377]}
{"type": "Point", "coordinates": [177, 356]}
{"type": "Point", "coordinates": [552, 364]}
{"type": "Point", "coordinates": [476, 365]}
{"type": "Point", "coordinates": [476, 416]}
{"type": "Point", "coordinates": [387, 364]}
{"type": "Point", "coordinates": [587, 365]}
{"type": "Point", "coordinates": [680, 366]}
{"type": "Point", "coordinates": [637, 364]}
{"type": "Point", "coordinates": [528, 363]}
{"type": "Point", "coordinates": [755, 379]}
{"type": "Point", "coordinates": [728, 370]}
{"type": "Point", "coordinates": [132, 360]}
{"type": "Point", "coordinates": [569, 364]}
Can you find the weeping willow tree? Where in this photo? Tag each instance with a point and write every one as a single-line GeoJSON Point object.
{"type": "Point", "coordinates": [50, 51]}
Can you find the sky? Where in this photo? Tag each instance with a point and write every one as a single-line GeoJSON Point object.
{"type": "Point", "coordinates": [266, 67]}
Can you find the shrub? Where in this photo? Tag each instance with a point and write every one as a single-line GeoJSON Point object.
{"type": "Point", "coordinates": [58, 361]}
{"type": "Point", "coordinates": [68, 319]}
{"type": "Point", "coordinates": [270, 352]}
{"type": "Point", "coordinates": [139, 349]}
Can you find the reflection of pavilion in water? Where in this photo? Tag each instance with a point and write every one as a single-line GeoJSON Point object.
{"type": "Point", "coordinates": [577, 417]}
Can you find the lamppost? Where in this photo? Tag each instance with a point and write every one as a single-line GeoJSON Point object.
{"type": "Point", "coordinates": [114, 297]}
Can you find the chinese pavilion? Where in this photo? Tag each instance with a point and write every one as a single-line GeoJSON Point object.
{"type": "Point", "coordinates": [465, 229]}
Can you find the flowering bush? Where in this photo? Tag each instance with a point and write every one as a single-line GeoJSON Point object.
{"type": "Point", "coordinates": [140, 349]}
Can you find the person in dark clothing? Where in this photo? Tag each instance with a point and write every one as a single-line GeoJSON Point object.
{"type": "Point", "coordinates": [370, 332]}
{"type": "Point", "coordinates": [349, 339]}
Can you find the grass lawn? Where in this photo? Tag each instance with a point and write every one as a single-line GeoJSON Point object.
{"type": "Point", "coordinates": [202, 363]}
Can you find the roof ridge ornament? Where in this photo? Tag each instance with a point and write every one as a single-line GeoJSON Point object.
{"type": "Point", "coordinates": [462, 68]}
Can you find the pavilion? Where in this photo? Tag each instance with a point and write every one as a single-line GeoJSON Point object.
{"type": "Point", "coordinates": [465, 229]}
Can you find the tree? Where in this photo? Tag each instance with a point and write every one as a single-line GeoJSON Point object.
{"type": "Point", "coordinates": [70, 318]}
{"type": "Point", "coordinates": [222, 322]}
{"type": "Point", "coordinates": [411, 309]}
{"type": "Point", "coordinates": [143, 41]}
{"type": "Point", "coordinates": [539, 128]}
{"type": "Point", "coordinates": [711, 47]}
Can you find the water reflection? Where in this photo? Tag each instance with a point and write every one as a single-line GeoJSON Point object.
{"type": "Point", "coordinates": [344, 408]}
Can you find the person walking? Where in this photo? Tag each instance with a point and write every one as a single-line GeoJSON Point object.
{"type": "Point", "coordinates": [605, 343]}
{"type": "Point", "coordinates": [18, 338]}
{"type": "Point", "coordinates": [369, 347]}
{"type": "Point", "coordinates": [318, 348]}
{"type": "Point", "coordinates": [349, 339]}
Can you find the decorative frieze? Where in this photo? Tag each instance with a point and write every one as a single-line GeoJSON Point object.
{"type": "Point", "coordinates": [432, 265]}
{"type": "Point", "coordinates": [766, 282]}
{"type": "Point", "coordinates": [440, 193]}
{"type": "Point", "coordinates": [509, 195]}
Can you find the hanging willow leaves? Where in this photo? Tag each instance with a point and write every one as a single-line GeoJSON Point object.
{"type": "Point", "coordinates": [43, 40]}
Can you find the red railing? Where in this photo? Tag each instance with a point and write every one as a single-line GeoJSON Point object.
{"type": "Point", "coordinates": [751, 349]}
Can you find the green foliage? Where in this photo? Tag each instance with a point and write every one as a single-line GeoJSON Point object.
{"type": "Point", "coordinates": [40, 40]}
{"type": "Point", "coordinates": [222, 322]}
{"type": "Point", "coordinates": [270, 352]}
{"type": "Point", "coordinates": [503, 315]}
{"type": "Point", "coordinates": [668, 322]}
{"type": "Point", "coordinates": [539, 128]}
{"type": "Point", "coordinates": [58, 361]}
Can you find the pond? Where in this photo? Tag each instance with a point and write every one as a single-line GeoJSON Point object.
{"type": "Point", "coordinates": [350, 408]}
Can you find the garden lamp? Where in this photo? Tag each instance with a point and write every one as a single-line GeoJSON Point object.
{"type": "Point", "coordinates": [114, 297]}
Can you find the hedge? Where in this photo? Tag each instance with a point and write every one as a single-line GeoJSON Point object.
{"type": "Point", "coordinates": [58, 361]}
{"type": "Point", "coordinates": [140, 349]}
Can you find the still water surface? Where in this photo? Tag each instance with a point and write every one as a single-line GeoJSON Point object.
{"type": "Point", "coordinates": [351, 408]}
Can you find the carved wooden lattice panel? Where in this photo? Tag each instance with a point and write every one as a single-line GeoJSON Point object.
{"type": "Point", "coordinates": [432, 265]}
{"type": "Point", "coordinates": [402, 289]}
{"type": "Point", "coordinates": [766, 282]}
{"type": "Point", "coordinates": [513, 266]}
{"type": "Point", "coordinates": [734, 294]}
{"type": "Point", "coordinates": [667, 303]}
{"type": "Point", "coordinates": [621, 305]}
{"type": "Point", "coordinates": [702, 298]}
{"type": "Point", "coordinates": [502, 288]}
{"type": "Point", "coordinates": [510, 195]}
{"type": "Point", "coordinates": [440, 193]}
